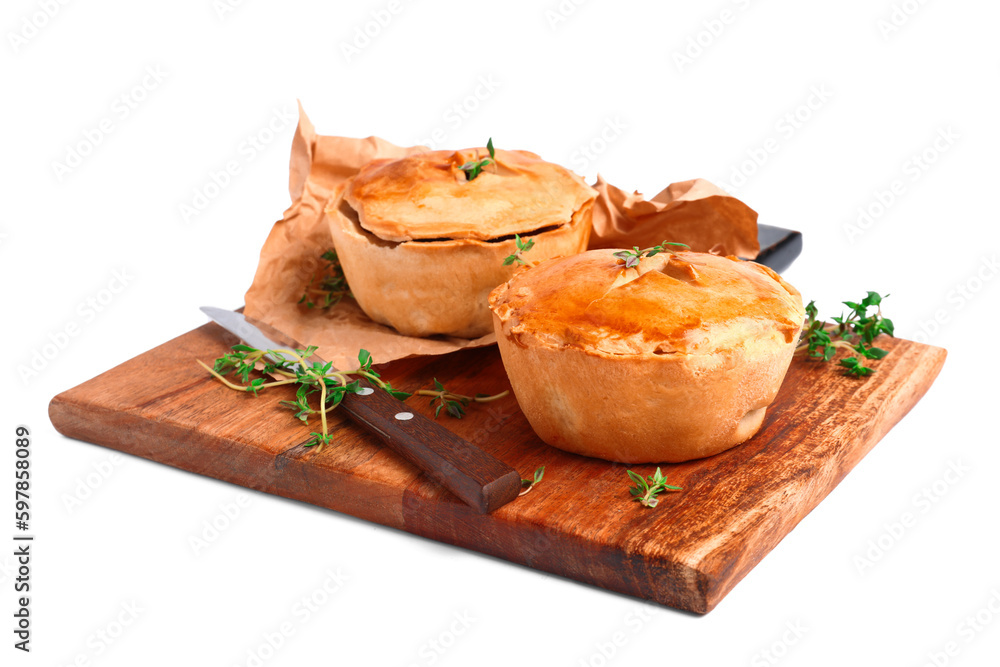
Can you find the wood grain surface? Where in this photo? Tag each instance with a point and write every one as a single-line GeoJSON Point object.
{"type": "Point", "coordinates": [580, 522]}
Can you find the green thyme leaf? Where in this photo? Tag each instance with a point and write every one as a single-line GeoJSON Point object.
{"type": "Point", "coordinates": [630, 258]}
{"type": "Point", "coordinates": [539, 471]}
{"type": "Point", "coordinates": [522, 247]}
{"type": "Point", "coordinates": [318, 439]}
{"type": "Point", "coordinates": [860, 324]}
{"type": "Point", "coordinates": [855, 367]}
{"type": "Point", "coordinates": [473, 168]}
{"type": "Point", "coordinates": [529, 484]}
{"type": "Point", "coordinates": [329, 284]}
{"type": "Point", "coordinates": [318, 383]}
{"type": "Point", "coordinates": [647, 490]}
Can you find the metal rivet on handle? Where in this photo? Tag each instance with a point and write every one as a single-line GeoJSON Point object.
{"type": "Point", "coordinates": [364, 391]}
{"type": "Point", "coordinates": [403, 416]}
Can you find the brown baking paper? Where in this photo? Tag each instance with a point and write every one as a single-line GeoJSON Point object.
{"type": "Point", "coordinates": [693, 212]}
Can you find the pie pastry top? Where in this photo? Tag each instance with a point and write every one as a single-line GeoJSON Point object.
{"type": "Point", "coordinates": [685, 303]}
{"type": "Point", "coordinates": [428, 196]}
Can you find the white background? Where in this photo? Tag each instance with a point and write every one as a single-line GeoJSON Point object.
{"type": "Point", "coordinates": [880, 95]}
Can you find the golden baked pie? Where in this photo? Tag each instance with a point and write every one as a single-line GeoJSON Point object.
{"type": "Point", "coordinates": [674, 359]}
{"type": "Point", "coordinates": [422, 244]}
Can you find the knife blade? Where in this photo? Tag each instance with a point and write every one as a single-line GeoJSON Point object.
{"type": "Point", "coordinates": [476, 477]}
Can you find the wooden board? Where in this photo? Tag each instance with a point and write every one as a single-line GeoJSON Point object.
{"type": "Point", "coordinates": [579, 522]}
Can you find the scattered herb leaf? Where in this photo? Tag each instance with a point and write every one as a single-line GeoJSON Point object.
{"type": "Point", "coordinates": [474, 167]}
{"type": "Point", "coordinates": [646, 490]}
{"type": "Point", "coordinates": [855, 331]}
{"type": "Point", "coordinates": [453, 404]}
{"type": "Point", "coordinates": [327, 288]}
{"type": "Point", "coordinates": [522, 247]}
{"type": "Point", "coordinates": [855, 367]}
{"type": "Point", "coordinates": [314, 377]}
{"type": "Point", "coordinates": [630, 258]}
{"type": "Point", "coordinates": [529, 484]}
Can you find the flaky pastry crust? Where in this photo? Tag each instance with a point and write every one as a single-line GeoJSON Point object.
{"type": "Point", "coordinates": [427, 196]}
{"type": "Point", "coordinates": [424, 288]}
{"type": "Point", "coordinates": [673, 360]}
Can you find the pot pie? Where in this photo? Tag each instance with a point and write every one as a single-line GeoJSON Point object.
{"type": "Point", "coordinates": [674, 359]}
{"type": "Point", "coordinates": [421, 245]}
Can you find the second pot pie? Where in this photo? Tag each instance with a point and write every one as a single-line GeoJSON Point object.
{"type": "Point", "coordinates": [672, 360]}
{"type": "Point", "coordinates": [422, 245]}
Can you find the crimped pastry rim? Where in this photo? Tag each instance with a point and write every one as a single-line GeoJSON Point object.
{"type": "Point", "coordinates": [499, 298]}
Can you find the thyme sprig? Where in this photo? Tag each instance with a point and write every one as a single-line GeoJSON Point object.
{"type": "Point", "coordinates": [454, 404]}
{"type": "Point", "coordinates": [630, 258]}
{"type": "Point", "coordinates": [645, 491]}
{"type": "Point", "coordinates": [522, 247]}
{"type": "Point", "coordinates": [855, 331]}
{"type": "Point", "coordinates": [292, 366]}
{"type": "Point", "coordinates": [474, 167]}
{"type": "Point", "coordinates": [529, 484]}
{"type": "Point", "coordinates": [331, 286]}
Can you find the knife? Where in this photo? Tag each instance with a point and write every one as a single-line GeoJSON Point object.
{"type": "Point", "coordinates": [480, 480]}
{"type": "Point", "coordinates": [778, 247]}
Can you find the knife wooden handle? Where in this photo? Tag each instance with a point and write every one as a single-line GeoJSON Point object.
{"type": "Point", "coordinates": [479, 479]}
{"type": "Point", "coordinates": [482, 481]}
